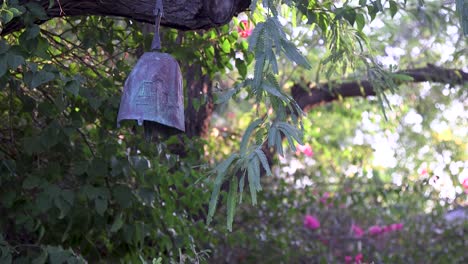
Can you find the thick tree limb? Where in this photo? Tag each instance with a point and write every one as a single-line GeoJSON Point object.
{"type": "Point", "coordinates": [317, 95]}
{"type": "Point", "coordinates": [179, 14]}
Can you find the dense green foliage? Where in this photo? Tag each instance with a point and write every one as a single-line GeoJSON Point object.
{"type": "Point", "coordinates": [75, 188]}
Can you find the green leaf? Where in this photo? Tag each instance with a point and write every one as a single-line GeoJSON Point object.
{"type": "Point", "coordinates": [258, 71]}
{"type": "Point", "coordinates": [273, 91]}
{"type": "Point", "coordinates": [64, 204]}
{"type": "Point", "coordinates": [253, 5]}
{"type": "Point", "coordinates": [6, 16]}
{"type": "Point", "coordinates": [100, 205]}
{"type": "Point", "coordinates": [393, 8]}
{"type": "Point", "coordinates": [290, 130]}
{"type": "Point", "coordinates": [279, 144]}
{"type": "Point", "coordinates": [256, 169]}
{"type": "Point", "coordinates": [252, 184]}
{"type": "Point", "coordinates": [15, 60]}
{"type": "Point", "coordinates": [40, 78]}
{"type": "Point", "coordinates": [118, 223]}
{"type": "Point", "coordinates": [31, 182]}
{"type": "Point", "coordinates": [123, 195]}
{"type": "Point", "coordinates": [223, 166]}
{"type": "Point", "coordinates": [220, 169]}
{"type": "Point", "coordinates": [3, 64]}
{"type": "Point", "coordinates": [256, 37]}
{"type": "Point", "coordinates": [147, 196]}
{"type": "Point", "coordinates": [360, 21]}
{"type": "Point", "coordinates": [73, 87]}
{"type": "Point", "coordinates": [57, 255]}
{"type": "Point", "coordinates": [241, 68]}
{"type": "Point", "coordinates": [293, 54]}
{"type": "Point", "coordinates": [16, 12]}
{"type": "Point", "coordinates": [272, 135]}
{"type": "Point", "coordinates": [350, 16]}
{"type": "Point", "coordinates": [241, 187]}
{"type": "Point", "coordinates": [402, 77]}
{"type": "Point", "coordinates": [37, 11]}
{"type": "Point", "coordinates": [32, 145]}
{"type": "Point", "coordinates": [271, 57]}
{"type": "Point", "coordinates": [231, 202]}
{"type": "Point", "coordinates": [4, 47]}
{"type": "Point", "coordinates": [32, 32]}
{"type": "Point", "coordinates": [247, 134]}
{"type": "Point", "coordinates": [226, 46]}
{"type": "Point", "coordinates": [41, 259]}
{"type": "Point", "coordinates": [224, 97]}
{"type": "Point", "coordinates": [5, 255]}
{"type": "Point", "coordinates": [262, 157]}
{"type": "Point", "coordinates": [372, 10]}
{"type": "Point", "coordinates": [462, 11]}
{"type": "Point", "coordinates": [379, 5]}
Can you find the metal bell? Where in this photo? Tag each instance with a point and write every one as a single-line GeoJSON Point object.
{"type": "Point", "coordinates": [153, 91]}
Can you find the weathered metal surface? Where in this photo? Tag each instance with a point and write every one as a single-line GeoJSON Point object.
{"type": "Point", "coordinates": [153, 92]}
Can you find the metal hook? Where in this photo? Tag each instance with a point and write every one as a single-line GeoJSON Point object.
{"type": "Point", "coordinates": [158, 12]}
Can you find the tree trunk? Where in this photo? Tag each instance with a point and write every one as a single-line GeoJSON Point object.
{"type": "Point", "coordinates": [199, 101]}
{"type": "Point", "coordinates": [179, 14]}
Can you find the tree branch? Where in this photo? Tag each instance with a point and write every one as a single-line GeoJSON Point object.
{"type": "Point", "coordinates": [317, 95]}
{"type": "Point", "coordinates": [179, 14]}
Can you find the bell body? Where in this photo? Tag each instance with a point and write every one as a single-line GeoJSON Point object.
{"type": "Point", "coordinates": [153, 92]}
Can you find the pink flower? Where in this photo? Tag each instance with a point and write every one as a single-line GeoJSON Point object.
{"type": "Point", "coordinates": [396, 226]}
{"type": "Point", "coordinates": [374, 230]}
{"type": "Point", "coordinates": [358, 258]}
{"type": "Point", "coordinates": [465, 185]}
{"type": "Point", "coordinates": [244, 28]}
{"type": "Point", "coordinates": [306, 149]}
{"type": "Point", "coordinates": [424, 172]}
{"type": "Point", "coordinates": [231, 115]}
{"type": "Point", "coordinates": [311, 222]}
{"type": "Point", "coordinates": [348, 259]}
{"type": "Point", "coordinates": [324, 198]}
{"type": "Point", "coordinates": [357, 231]}
{"type": "Point", "coordinates": [386, 229]}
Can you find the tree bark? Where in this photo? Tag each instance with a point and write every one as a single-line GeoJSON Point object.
{"type": "Point", "coordinates": [308, 98]}
{"type": "Point", "coordinates": [200, 105]}
{"type": "Point", "coordinates": [179, 14]}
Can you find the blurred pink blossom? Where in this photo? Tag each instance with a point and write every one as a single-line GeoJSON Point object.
{"type": "Point", "coordinates": [424, 172]}
{"type": "Point", "coordinates": [311, 222]}
{"type": "Point", "coordinates": [357, 231]}
{"type": "Point", "coordinates": [396, 226]}
{"type": "Point", "coordinates": [306, 149]}
{"type": "Point", "coordinates": [374, 230]}
{"type": "Point", "coordinates": [244, 28]}
{"type": "Point", "coordinates": [324, 199]}
{"type": "Point", "coordinates": [386, 229]}
{"type": "Point", "coordinates": [358, 258]}
{"type": "Point", "coordinates": [348, 259]}
{"type": "Point", "coordinates": [231, 115]}
{"type": "Point", "coordinates": [465, 185]}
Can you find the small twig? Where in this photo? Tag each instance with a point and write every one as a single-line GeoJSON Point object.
{"type": "Point", "coordinates": [86, 141]}
{"type": "Point", "coordinates": [62, 13]}
{"type": "Point", "coordinates": [10, 112]}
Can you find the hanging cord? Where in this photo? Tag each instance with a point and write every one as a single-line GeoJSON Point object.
{"type": "Point", "coordinates": [158, 12]}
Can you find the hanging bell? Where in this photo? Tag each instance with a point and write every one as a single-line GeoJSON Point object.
{"type": "Point", "coordinates": [153, 91]}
